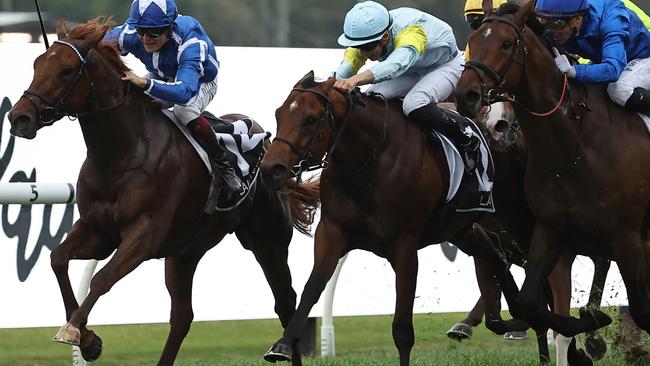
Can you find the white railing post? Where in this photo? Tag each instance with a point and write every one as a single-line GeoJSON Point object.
{"type": "Point", "coordinates": [327, 341]}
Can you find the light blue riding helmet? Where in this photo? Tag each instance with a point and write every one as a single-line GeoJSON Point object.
{"type": "Point", "coordinates": [561, 8]}
{"type": "Point", "coordinates": [152, 13]}
{"type": "Point", "coordinates": [366, 22]}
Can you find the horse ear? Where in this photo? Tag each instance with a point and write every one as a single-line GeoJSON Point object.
{"type": "Point", "coordinates": [329, 83]}
{"type": "Point", "coordinates": [309, 77]}
{"type": "Point", "coordinates": [488, 8]}
{"type": "Point", "coordinates": [61, 31]}
{"type": "Point", "coordinates": [522, 14]}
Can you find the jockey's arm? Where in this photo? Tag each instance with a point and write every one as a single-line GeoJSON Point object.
{"type": "Point", "coordinates": [181, 90]}
{"type": "Point", "coordinates": [352, 62]}
{"type": "Point", "coordinates": [119, 35]}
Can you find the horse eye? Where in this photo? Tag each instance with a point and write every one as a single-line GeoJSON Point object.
{"type": "Point", "coordinates": [506, 45]}
{"type": "Point", "coordinates": [67, 71]}
{"type": "Point", "coordinates": [311, 120]}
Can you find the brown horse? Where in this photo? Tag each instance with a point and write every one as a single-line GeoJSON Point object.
{"type": "Point", "coordinates": [588, 168]}
{"type": "Point", "coordinates": [383, 190]}
{"type": "Point", "coordinates": [142, 189]}
{"type": "Point", "coordinates": [513, 224]}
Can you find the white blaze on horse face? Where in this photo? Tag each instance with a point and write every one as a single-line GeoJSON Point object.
{"type": "Point", "coordinates": [293, 106]}
{"type": "Point", "coordinates": [487, 32]}
{"type": "Point", "coordinates": [496, 113]}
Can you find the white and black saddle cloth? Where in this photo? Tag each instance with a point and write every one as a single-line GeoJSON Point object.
{"type": "Point", "coordinates": [468, 192]}
{"type": "Point", "coordinates": [244, 149]}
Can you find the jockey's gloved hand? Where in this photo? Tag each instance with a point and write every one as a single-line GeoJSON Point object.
{"type": "Point", "coordinates": [563, 64]}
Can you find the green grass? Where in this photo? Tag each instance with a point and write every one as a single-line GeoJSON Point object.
{"type": "Point", "coordinates": [359, 341]}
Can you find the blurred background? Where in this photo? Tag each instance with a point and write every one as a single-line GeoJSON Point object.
{"type": "Point", "coordinates": [251, 23]}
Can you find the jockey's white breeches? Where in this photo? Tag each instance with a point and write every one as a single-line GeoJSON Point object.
{"type": "Point", "coordinates": [420, 90]}
{"type": "Point", "coordinates": [635, 75]}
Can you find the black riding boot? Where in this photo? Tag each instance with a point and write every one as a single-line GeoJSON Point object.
{"type": "Point", "coordinates": [639, 101]}
{"type": "Point", "coordinates": [203, 133]}
{"type": "Point", "coordinates": [432, 117]}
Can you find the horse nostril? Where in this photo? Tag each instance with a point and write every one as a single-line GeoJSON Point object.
{"type": "Point", "coordinates": [472, 97]}
{"type": "Point", "coordinates": [20, 120]}
{"type": "Point", "coordinates": [501, 126]}
{"type": "Point", "coordinates": [279, 171]}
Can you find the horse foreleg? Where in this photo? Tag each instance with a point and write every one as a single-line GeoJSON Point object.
{"type": "Point", "coordinates": [130, 253]}
{"type": "Point", "coordinates": [405, 264]}
{"type": "Point", "coordinates": [463, 330]}
{"type": "Point", "coordinates": [328, 248]}
{"type": "Point", "coordinates": [81, 243]}
{"type": "Point", "coordinates": [271, 253]}
{"type": "Point", "coordinates": [543, 254]}
{"type": "Point", "coordinates": [595, 345]}
{"type": "Point", "coordinates": [560, 282]}
{"type": "Point", "coordinates": [179, 275]}
{"type": "Point", "coordinates": [633, 258]}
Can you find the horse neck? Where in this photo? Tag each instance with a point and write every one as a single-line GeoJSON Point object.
{"type": "Point", "coordinates": [554, 138]}
{"type": "Point", "coordinates": [364, 136]}
{"type": "Point", "coordinates": [112, 137]}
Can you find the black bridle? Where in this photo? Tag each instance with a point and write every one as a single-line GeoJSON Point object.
{"type": "Point", "coordinates": [493, 95]}
{"type": "Point", "coordinates": [53, 112]}
{"type": "Point", "coordinates": [305, 163]}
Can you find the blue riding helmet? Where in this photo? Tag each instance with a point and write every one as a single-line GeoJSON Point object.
{"type": "Point", "coordinates": [366, 22]}
{"type": "Point", "coordinates": [561, 8]}
{"type": "Point", "coordinates": [152, 13]}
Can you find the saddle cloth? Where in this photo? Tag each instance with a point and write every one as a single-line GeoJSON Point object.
{"type": "Point", "coordinates": [468, 192]}
{"type": "Point", "coordinates": [243, 148]}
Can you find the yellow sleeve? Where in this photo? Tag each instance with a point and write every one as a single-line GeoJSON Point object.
{"type": "Point", "coordinates": [639, 12]}
{"type": "Point", "coordinates": [353, 56]}
{"type": "Point", "coordinates": [467, 58]}
{"type": "Point", "coordinates": [413, 36]}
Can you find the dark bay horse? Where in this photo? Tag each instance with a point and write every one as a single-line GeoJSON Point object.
{"type": "Point", "coordinates": [383, 190]}
{"type": "Point", "coordinates": [513, 224]}
{"type": "Point", "coordinates": [142, 190]}
{"type": "Point", "coordinates": [588, 169]}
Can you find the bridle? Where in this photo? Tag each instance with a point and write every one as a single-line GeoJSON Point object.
{"type": "Point", "coordinates": [496, 94]}
{"type": "Point", "coordinates": [52, 112]}
{"type": "Point", "coordinates": [305, 163]}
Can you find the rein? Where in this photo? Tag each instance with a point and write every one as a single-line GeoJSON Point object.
{"type": "Point", "coordinates": [494, 95]}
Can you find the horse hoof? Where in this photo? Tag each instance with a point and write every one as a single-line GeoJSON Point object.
{"type": "Point", "coordinates": [460, 331]}
{"type": "Point", "coordinates": [278, 352]}
{"type": "Point", "coordinates": [596, 347]}
{"type": "Point", "coordinates": [516, 335]}
{"type": "Point", "coordinates": [599, 318]}
{"type": "Point", "coordinates": [68, 334]}
{"type": "Point", "coordinates": [92, 351]}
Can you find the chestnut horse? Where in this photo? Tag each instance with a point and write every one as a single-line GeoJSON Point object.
{"type": "Point", "coordinates": [383, 190]}
{"type": "Point", "coordinates": [142, 189]}
{"type": "Point", "coordinates": [588, 169]}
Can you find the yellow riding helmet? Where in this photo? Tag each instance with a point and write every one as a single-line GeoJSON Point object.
{"type": "Point", "coordinates": [476, 6]}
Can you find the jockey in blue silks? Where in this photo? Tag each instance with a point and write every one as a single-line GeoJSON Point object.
{"type": "Point", "coordinates": [183, 67]}
{"type": "Point", "coordinates": [418, 60]}
{"type": "Point", "coordinates": [612, 36]}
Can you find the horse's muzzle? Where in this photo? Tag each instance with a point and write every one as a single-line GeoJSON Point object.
{"type": "Point", "coordinates": [22, 124]}
{"type": "Point", "coordinates": [469, 102]}
{"type": "Point", "coordinates": [275, 175]}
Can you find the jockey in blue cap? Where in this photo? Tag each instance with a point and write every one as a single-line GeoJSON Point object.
{"type": "Point", "coordinates": [182, 65]}
{"type": "Point", "coordinates": [418, 60]}
{"type": "Point", "coordinates": [612, 36]}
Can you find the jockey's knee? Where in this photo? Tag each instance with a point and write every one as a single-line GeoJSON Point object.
{"type": "Point", "coordinates": [418, 99]}
{"type": "Point", "coordinates": [620, 92]}
{"type": "Point", "coordinates": [185, 114]}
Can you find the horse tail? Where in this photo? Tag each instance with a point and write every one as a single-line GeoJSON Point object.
{"type": "Point", "coordinates": [304, 200]}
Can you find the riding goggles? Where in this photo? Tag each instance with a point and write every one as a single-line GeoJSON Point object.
{"type": "Point", "coordinates": [474, 20]}
{"type": "Point", "coordinates": [152, 32]}
{"type": "Point", "coordinates": [554, 23]}
{"type": "Point", "coordinates": [368, 46]}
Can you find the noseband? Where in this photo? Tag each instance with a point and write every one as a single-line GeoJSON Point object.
{"type": "Point", "coordinates": [305, 163]}
{"type": "Point", "coordinates": [52, 112]}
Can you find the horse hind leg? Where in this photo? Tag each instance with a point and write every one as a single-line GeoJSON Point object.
{"type": "Point", "coordinates": [405, 264]}
{"type": "Point", "coordinates": [463, 330]}
{"type": "Point", "coordinates": [81, 243]}
{"type": "Point", "coordinates": [633, 259]}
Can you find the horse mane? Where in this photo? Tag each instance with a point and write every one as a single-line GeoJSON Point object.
{"type": "Point", "coordinates": [96, 29]}
{"type": "Point", "coordinates": [532, 22]}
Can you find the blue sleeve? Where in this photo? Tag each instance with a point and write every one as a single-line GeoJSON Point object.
{"type": "Point", "coordinates": [614, 30]}
{"type": "Point", "coordinates": [192, 55]}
